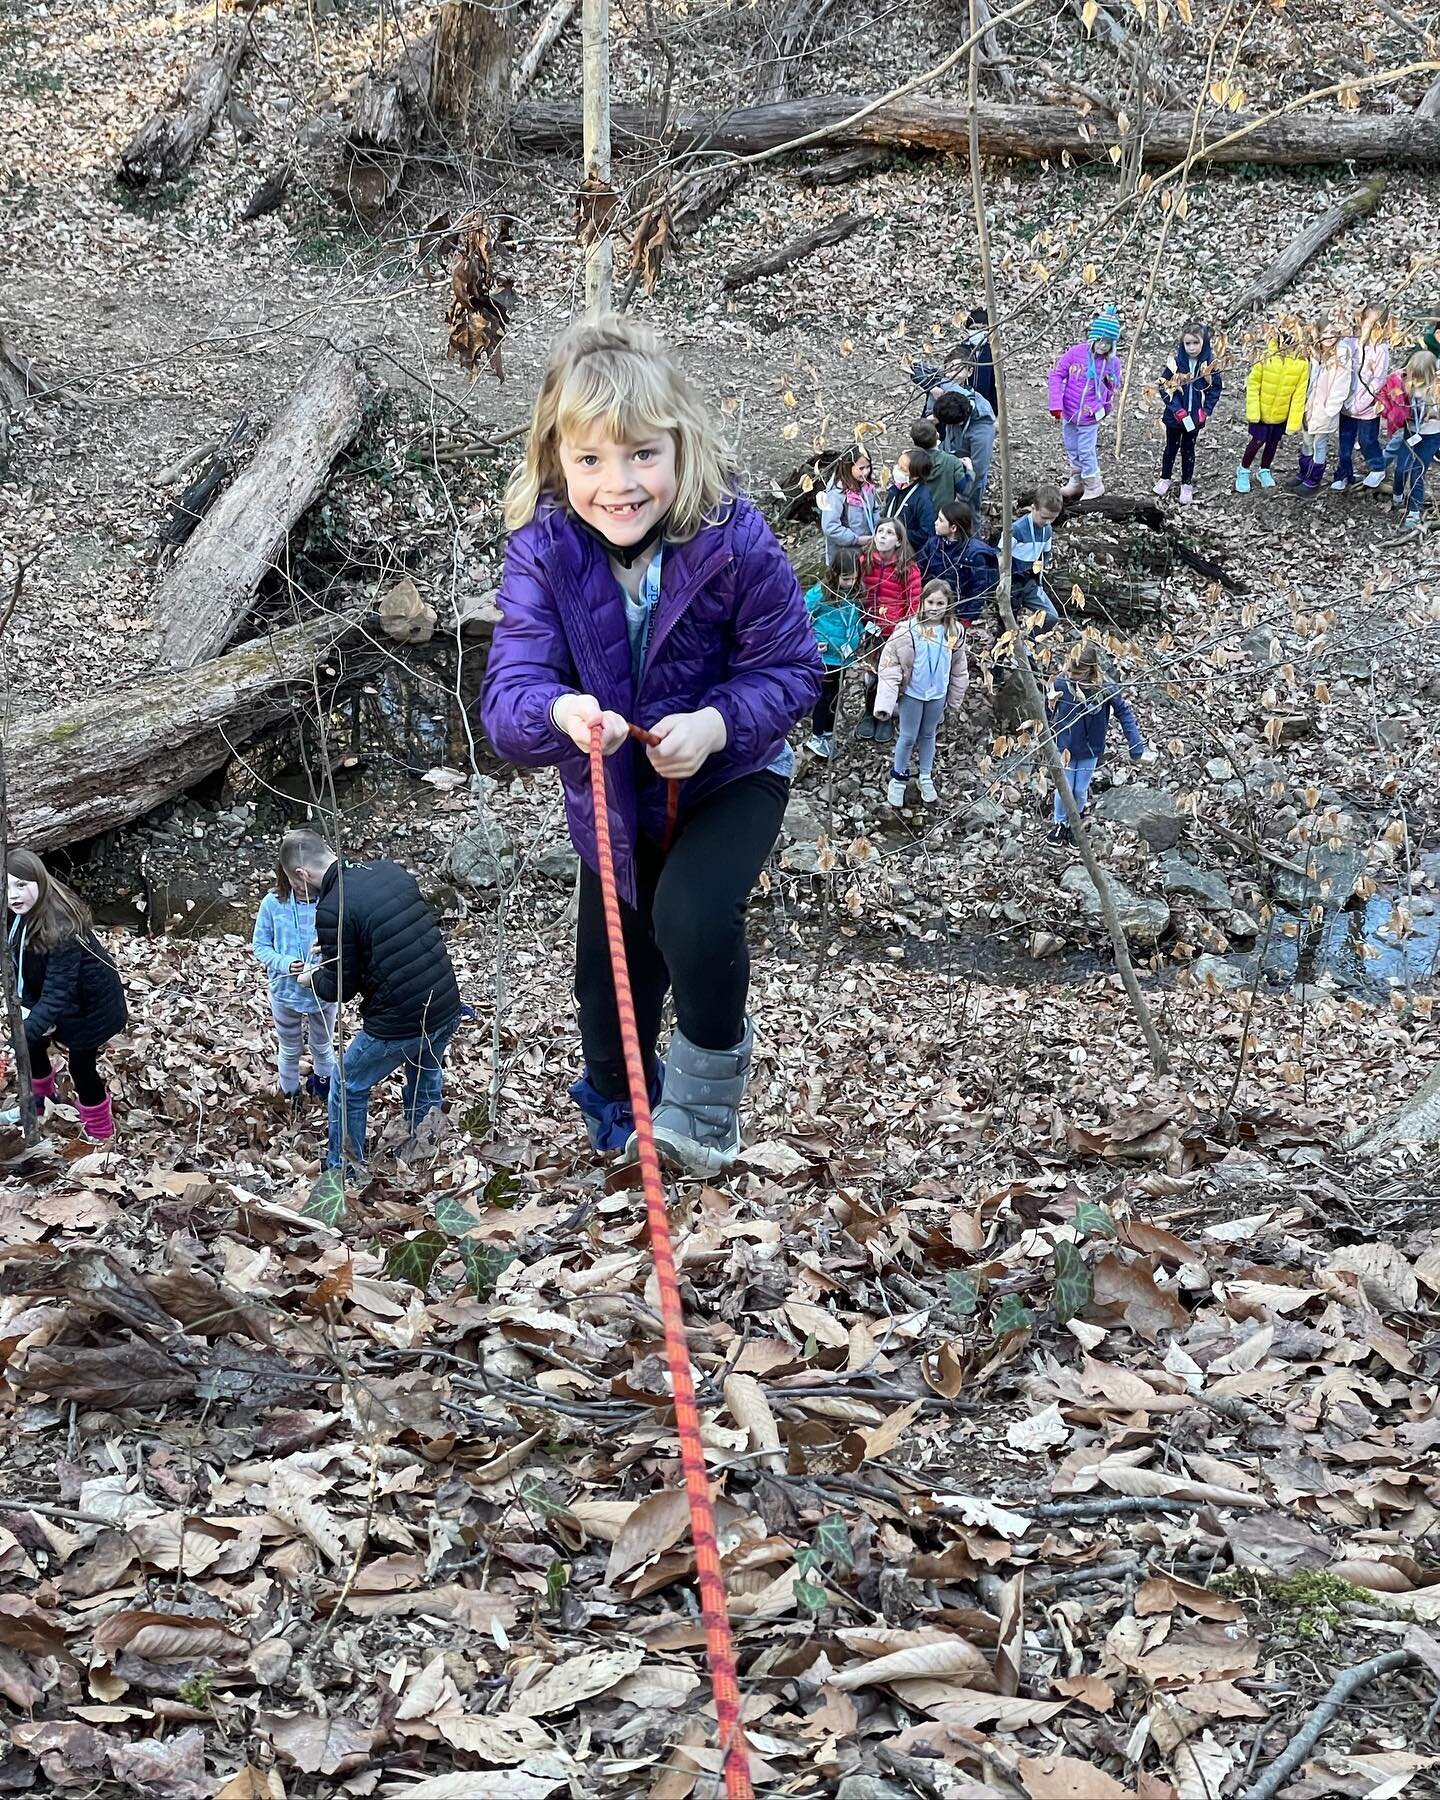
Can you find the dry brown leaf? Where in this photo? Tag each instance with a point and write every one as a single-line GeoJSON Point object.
{"type": "Point", "coordinates": [1202, 1768]}
{"type": "Point", "coordinates": [497, 1737]}
{"type": "Point", "coordinates": [1387, 1278]}
{"type": "Point", "coordinates": [1420, 1643]}
{"type": "Point", "coordinates": [488, 1784]}
{"type": "Point", "coordinates": [1379, 1577]}
{"type": "Point", "coordinates": [1010, 1639]}
{"type": "Point", "coordinates": [658, 1686]}
{"type": "Point", "coordinates": [932, 1662]}
{"type": "Point", "coordinates": [653, 1527]}
{"type": "Point", "coordinates": [167, 1637]}
{"type": "Point", "coordinates": [577, 1679]}
{"type": "Point", "coordinates": [251, 1783]}
{"type": "Point", "coordinates": [1220, 1700]}
{"type": "Point", "coordinates": [1002, 1711]}
{"type": "Point", "coordinates": [751, 1412]}
{"type": "Point", "coordinates": [1163, 1593]}
{"type": "Point", "coordinates": [26, 1627]}
{"type": "Point", "coordinates": [428, 1691]}
{"type": "Point", "coordinates": [1043, 1430]}
{"type": "Point", "coordinates": [163, 1768]}
{"type": "Point", "coordinates": [879, 1440]}
{"type": "Point", "coordinates": [318, 1746]}
{"type": "Point", "coordinates": [1064, 1778]}
{"type": "Point", "coordinates": [1146, 1307]}
{"type": "Point", "coordinates": [1089, 1690]}
{"type": "Point", "coordinates": [1124, 1479]}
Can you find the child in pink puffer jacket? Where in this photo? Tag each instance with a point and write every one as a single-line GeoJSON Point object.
{"type": "Point", "coordinates": [1332, 373]}
{"type": "Point", "coordinates": [1084, 387]}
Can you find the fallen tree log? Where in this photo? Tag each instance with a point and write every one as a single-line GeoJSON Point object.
{"type": "Point", "coordinates": [830, 171]}
{"type": "Point", "coordinates": [84, 769]}
{"type": "Point", "coordinates": [207, 590]}
{"type": "Point", "coordinates": [386, 119]}
{"type": "Point", "coordinates": [550, 28]}
{"type": "Point", "coordinates": [794, 250]}
{"type": "Point", "coordinates": [170, 140]}
{"type": "Point", "coordinates": [1306, 247]}
{"type": "Point", "coordinates": [1024, 133]}
{"type": "Point", "coordinates": [1127, 508]}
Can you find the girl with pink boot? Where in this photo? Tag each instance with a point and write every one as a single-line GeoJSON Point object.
{"type": "Point", "coordinates": [1084, 389]}
{"type": "Point", "coordinates": [69, 988]}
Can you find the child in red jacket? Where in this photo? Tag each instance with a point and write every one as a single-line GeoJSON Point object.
{"type": "Point", "coordinates": [892, 594]}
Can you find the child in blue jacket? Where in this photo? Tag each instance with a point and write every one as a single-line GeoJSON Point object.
{"type": "Point", "coordinates": [284, 944]}
{"type": "Point", "coordinates": [956, 555]}
{"type": "Point", "coordinates": [836, 608]}
{"type": "Point", "coordinates": [1190, 388]}
{"type": "Point", "coordinates": [1080, 709]}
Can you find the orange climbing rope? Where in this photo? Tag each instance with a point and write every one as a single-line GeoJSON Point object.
{"type": "Point", "coordinates": [719, 1645]}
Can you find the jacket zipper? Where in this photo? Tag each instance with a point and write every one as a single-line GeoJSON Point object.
{"type": "Point", "coordinates": [703, 573]}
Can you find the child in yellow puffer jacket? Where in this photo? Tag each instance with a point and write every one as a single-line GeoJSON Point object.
{"type": "Point", "coordinates": [1274, 403]}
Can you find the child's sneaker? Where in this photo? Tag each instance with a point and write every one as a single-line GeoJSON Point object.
{"type": "Point", "coordinates": [927, 790]}
{"type": "Point", "coordinates": [1412, 521]}
{"type": "Point", "coordinates": [1073, 488]}
{"type": "Point", "coordinates": [866, 727]}
{"type": "Point", "coordinates": [1267, 480]}
{"type": "Point", "coordinates": [1187, 494]}
{"type": "Point", "coordinates": [895, 793]}
{"type": "Point", "coordinates": [1059, 834]}
{"type": "Point", "coordinates": [1162, 486]}
{"type": "Point", "coordinates": [1339, 484]}
{"type": "Point", "coordinates": [1242, 481]}
{"type": "Point", "coordinates": [822, 744]}
{"type": "Point", "coordinates": [1094, 487]}
{"type": "Point", "coordinates": [1373, 479]}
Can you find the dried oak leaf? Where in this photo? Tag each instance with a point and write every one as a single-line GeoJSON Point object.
{"type": "Point", "coordinates": [164, 1768]}
{"type": "Point", "coordinates": [24, 1627]}
{"type": "Point", "coordinates": [1066, 1778]}
{"type": "Point", "coordinates": [251, 1783]}
{"type": "Point", "coordinates": [71, 1754]}
{"type": "Point", "coordinates": [577, 1679]}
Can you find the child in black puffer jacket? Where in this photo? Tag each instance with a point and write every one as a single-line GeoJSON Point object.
{"type": "Point", "coordinates": [69, 987]}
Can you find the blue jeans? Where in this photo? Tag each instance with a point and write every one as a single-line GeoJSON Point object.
{"type": "Point", "coordinates": [1081, 773]}
{"type": "Point", "coordinates": [370, 1059]}
{"type": "Point", "coordinates": [980, 448]}
{"type": "Point", "coordinates": [1410, 467]}
{"type": "Point", "coordinates": [1365, 432]}
{"type": "Point", "coordinates": [1030, 596]}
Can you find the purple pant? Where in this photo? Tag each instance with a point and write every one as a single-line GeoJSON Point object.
{"type": "Point", "coordinates": [1269, 437]}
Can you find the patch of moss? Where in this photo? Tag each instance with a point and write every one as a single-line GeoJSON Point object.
{"type": "Point", "coordinates": [1308, 1604]}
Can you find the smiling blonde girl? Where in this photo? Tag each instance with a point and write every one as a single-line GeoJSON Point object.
{"type": "Point", "coordinates": [641, 586]}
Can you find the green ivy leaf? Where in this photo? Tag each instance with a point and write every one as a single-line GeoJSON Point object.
{"type": "Point", "coordinates": [810, 1597]}
{"type": "Point", "coordinates": [327, 1200]}
{"type": "Point", "coordinates": [532, 1495]}
{"type": "Point", "coordinates": [484, 1265]}
{"type": "Point", "coordinates": [502, 1189]}
{"type": "Point", "coordinates": [1074, 1287]}
{"type": "Point", "coordinates": [453, 1217]}
{"type": "Point", "coordinates": [832, 1541]}
{"type": "Point", "coordinates": [1011, 1314]}
{"type": "Point", "coordinates": [963, 1290]}
{"type": "Point", "coordinates": [557, 1579]}
{"type": "Point", "coordinates": [1091, 1220]}
{"type": "Point", "coordinates": [415, 1258]}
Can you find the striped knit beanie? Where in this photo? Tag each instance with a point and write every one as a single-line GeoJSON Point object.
{"type": "Point", "coordinates": [1107, 325]}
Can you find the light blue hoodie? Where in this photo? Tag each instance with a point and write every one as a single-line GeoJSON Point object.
{"type": "Point", "coordinates": [284, 933]}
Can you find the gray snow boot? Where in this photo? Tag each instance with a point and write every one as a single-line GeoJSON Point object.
{"type": "Point", "coordinates": [697, 1123]}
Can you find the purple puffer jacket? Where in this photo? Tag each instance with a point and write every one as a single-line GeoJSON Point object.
{"type": "Point", "coordinates": [730, 631]}
{"type": "Point", "coordinates": [1083, 385]}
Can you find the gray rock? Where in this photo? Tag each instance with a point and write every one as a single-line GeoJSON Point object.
{"type": "Point", "coordinates": [558, 863]}
{"type": "Point", "coordinates": [1242, 926]}
{"type": "Point", "coordinates": [477, 613]}
{"type": "Point", "coordinates": [982, 814]}
{"type": "Point", "coordinates": [1219, 768]}
{"type": "Point", "coordinates": [479, 857]}
{"type": "Point", "coordinates": [1180, 876]}
{"type": "Point", "coordinates": [1220, 970]}
{"type": "Point", "coordinates": [868, 1787]}
{"type": "Point", "coordinates": [1142, 919]}
{"type": "Point", "coordinates": [801, 823]}
{"type": "Point", "coordinates": [1330, 877]}
{"type": "Point", "coordinates": [1149, 811]}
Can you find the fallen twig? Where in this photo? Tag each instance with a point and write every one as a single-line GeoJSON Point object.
{"type": "Point", "coordinates": [1314, 1728]}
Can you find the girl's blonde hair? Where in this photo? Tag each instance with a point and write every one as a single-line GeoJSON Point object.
{"type": "Point", "coordinates": [1420, 367]}
{"type": "Point", "coordinates": [1086, 668]}
{"type": "Point", "coordinates": [952, 628]}
{"type": "Point", "coordinates": [614, 374]}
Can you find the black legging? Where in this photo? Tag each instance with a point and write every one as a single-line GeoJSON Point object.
{"type": "Point", "coordinates": [89, 1083]}
{"type": "Point", "coordinates": [1178, 438]}
{"type": "Point", "coordinates": [687, 932]}
{"type": "Point", "coordinates": [824, 715]}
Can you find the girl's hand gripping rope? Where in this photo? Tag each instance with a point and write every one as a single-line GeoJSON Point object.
{"type": "Point", "coordinates": [719, 1646]}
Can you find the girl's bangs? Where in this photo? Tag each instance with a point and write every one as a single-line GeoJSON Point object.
{"type": "Point", "coordinates": [627, 411]}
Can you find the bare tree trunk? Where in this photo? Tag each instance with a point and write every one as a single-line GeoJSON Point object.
{"type": "Point", "coordinates": [1034, 700]}
{"type": "Point", "coordinates": [596, 193]}
{"type": "Point", "coordinates": [548, 34]}
{"type": "Point", "coordinates": [470, 77]}
{"type": "Point", "coordinates": [387, 112]}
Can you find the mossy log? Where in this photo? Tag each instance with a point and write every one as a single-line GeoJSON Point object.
{"type": "Point", "coordinates": [114, 757]}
